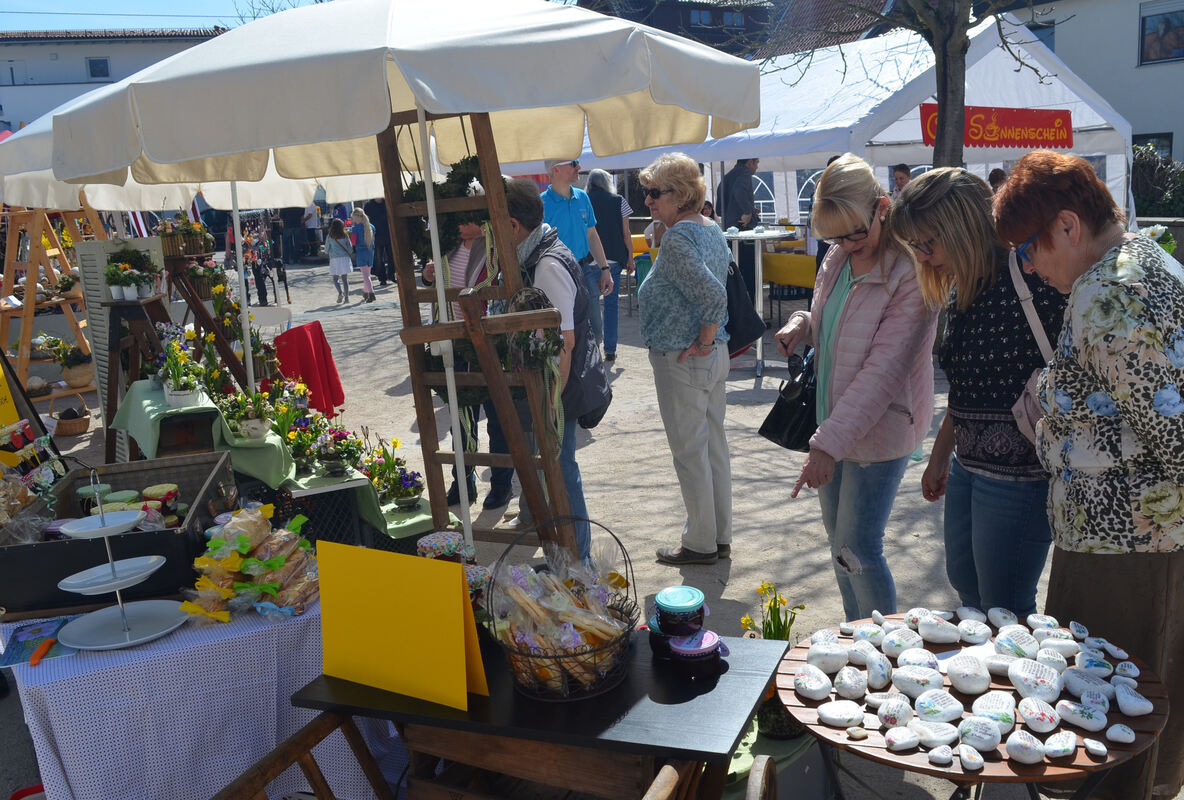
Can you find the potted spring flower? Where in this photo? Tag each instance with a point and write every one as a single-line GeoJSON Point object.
{"type": "Point", "coordinates": [256, 420]}
{"type": "Point", "coordinates": [338, 450]}
{"type": "Point", "coordinates": [181, 377]}
{"type": "Point", "coordinates": [772, 718]}
{"type": "Point", "coordinates": [180, 237]}
{"type": "Point", "coordinates": [302, 439]}
{"type": "Point", "coordinates": [120, 279]}
{"type": "Point", "coordinates": [78, 369]}
{"type": "Point", "coordinates": [68, 286]}
{"type": "Point", "coordinates": [204, 275]}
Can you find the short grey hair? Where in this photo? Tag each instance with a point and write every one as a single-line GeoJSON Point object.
{"type": "Point", "coordinates": [599, 179]}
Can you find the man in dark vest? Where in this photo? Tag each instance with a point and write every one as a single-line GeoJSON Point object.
{"type": "Point", "coordinates": [738, 196]}
{"type": "Point", "coordinates": [549, 266]}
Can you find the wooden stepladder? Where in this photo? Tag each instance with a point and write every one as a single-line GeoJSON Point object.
{"type": "Point", "coordinates": [479, 329]}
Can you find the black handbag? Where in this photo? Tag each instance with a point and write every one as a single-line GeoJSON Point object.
{"type": "Point", "coordinates": [794, 417]}
{"type": "Point", "coordinates": [744, 325]}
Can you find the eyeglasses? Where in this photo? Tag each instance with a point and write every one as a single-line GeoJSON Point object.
{"type": "Point", "coordinates": [925, 248]}
{"type": "Point", "coordinates": [854, 236]}
{"type": "Point", "coordinates": [1022, 253]}
{"type": "Point", "coordinates": [654, 194]}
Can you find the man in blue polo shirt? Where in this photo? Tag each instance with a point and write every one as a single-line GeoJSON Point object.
{"type": "Point", "coordinates": [568, 209]}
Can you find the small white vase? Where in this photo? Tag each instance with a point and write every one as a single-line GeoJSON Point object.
{"type": "Point", "coordinates": [254, 428]}
{"type": "Point", "coordinates": [147, 290]}
{"type": "Point", "coordinates": [182, 398]}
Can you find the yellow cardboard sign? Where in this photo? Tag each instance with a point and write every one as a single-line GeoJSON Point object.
{"type": "Point", "coordinates": [8, 415]}
{"type": "Point", "coordinates": [399, 623]}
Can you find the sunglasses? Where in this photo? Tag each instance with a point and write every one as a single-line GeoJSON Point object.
{"type": "Point", "coordinates": [573, 163]}
{"type": "Point", "coordinates": [925, 248]}
{"type": "Point", "coordinates": [654, 194]}
{"type": "Point", "coordinates": [1022, 253]}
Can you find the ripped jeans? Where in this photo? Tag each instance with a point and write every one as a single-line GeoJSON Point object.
{"type": "Point", "coordinates": [855, 509]}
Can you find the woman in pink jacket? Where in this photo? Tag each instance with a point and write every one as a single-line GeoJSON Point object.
{"type": "Point", "coordinates": [872, 335]}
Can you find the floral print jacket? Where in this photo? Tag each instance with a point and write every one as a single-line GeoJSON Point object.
{"type": "Point", "coordinates": [1113, 432]}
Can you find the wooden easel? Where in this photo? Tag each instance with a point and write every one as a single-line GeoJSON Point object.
{"type": "Point", "coordinates": [42, 260]}
{"type": "Point", "coordinates": [141, 346]}
{"type": "Point", "coordinates": [479, 329]}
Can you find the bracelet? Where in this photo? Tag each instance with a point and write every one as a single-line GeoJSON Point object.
{"type": "Point", "coordinates": [605, 269]}
{"type": "Point", "coordinates": [705, 346]}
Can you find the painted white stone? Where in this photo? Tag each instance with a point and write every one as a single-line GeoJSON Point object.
{"type": "Point", "coordinates": [1092, 652]}
{"type": "Point", "coordinates": [970, 759]}
{"type": "Point", "coordinates": [1038, 715]}
{"type": "Point", "coordinates": [1007, 630]}
{"type": "Point", "coordinates": [914, 615]}
{"type": "Point", "coordinates": [1092, 697]}
{"type": "Point", "coordinates": [1051, 658]}
{"type": "Point", "coordinates": [997, 706]}
{"type": "Point", "coordinates": [1077, 681]}
{"type": "Point", "coordinates": [891, 625]}
{"type": "Point", "coordinates": [1023, 747]}
{"type": "Point", "coordinates": [1079, 630]}
{"type": "Point", "coordinates": [846, 628]}
{"type": "Point", "coordinates": [948, 616]}
{"type": "Point", "coordinates": [1017, 643]}
{"type": "Point", "coordinates": [1126, 669]}
{"type": "Point", "coordinates": [898, 739]}
{"type": "Point", "coordinates": [1095, 748]}
{"type": "Point", "coordinates": [879, 671]}
{"type": "Point", "coordinates": [1001, 616]}
{"type": "Point", "coordinates": [1133, 704]}
{"type": "Point", "coordinates": [938, 705]}
{"type": "Point", "coordinates": [999, 663]}
{"type": "Point", "coordinates": [1060, 745]}
{"type": "Point", "coordinates": [811, 682]}
{"type": "Point", "coordinates": [980, 733]}
{"type": "Point", "coordinates": [1040, 634]}
{"type": "Point", "coordinates": [868, 632]}
{"type": "Point", "coordinates": [830, 657]}
{"type": "Point", "coordinates": [1033, 679]}
{"type": "Point", "coordinates": [971, 613]}
{"type": "Point", "coordinates": [899, 640]}
{"type": "Point", "coordinates": [1098, 667]}
{"type": "Point", "coordinates": [1096, 642]}
{"type": "Point", "coordinates": [941, 756]}
{"type": "Point", "coordinates": [1116, 652]}
{"type": "Point", "coordinates": [840, 713]}
{"type": "Point", "coordinates": [938, 630]}
{"type": "Point", "coordinates": [1120, 733]}
{"type": "Point", "coordinates": [1042, 621]}
{"type": "Point", "coordinates": [934, 734]}
{"type": "Point", "coordinates": [858, 653]}
{"type": "Point", "coordinates": [877, 617]}
{"type": "Point", "coordinates": [823, 635]}
{"type": "Point", "coordinates": [851, 683]}
{"type": "Point", "coordinates": [917, 657]}
{"type": "Point", "coordinates": [857, 733]}
{"type": "Point", "coordinates": [974, 632]}
{"type": "Point", "coordinates": [876, 699]}
{"type": "Point", "coordinates": [915, 680]}
{"type": "Point", "coordinates": [1083, 716]}
{"type": "Point", "coordinates": [968, 674]}
{"type": "Point", "coordinates": [1122, 680]}
{"type": "Point", "coordinates": [895, 712]}
{"type": "Point", "coordinates": [1066, 647]}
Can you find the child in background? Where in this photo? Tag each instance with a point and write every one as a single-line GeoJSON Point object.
{"type": "Point", "coordinates": [341, 258]}
{"type": "Point", "coordinates": [363, 235]}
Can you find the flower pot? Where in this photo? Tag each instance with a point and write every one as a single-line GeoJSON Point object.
{"type": "Point", "coordinates": [304, 464]}
{"type": "Point", "coordinates": [410, 502]}
{"type": "Point", "coordinates": [79, 375]}
{"type": "Point", "coordinates": [202, 287]}
{"type": "Point", "coordinates": [181, 398]}
{"type": "Point", "coordinates": [775, 721]}
{"type": "Point", "coordinates": [154, 381]}
{"type": "Point", "coordinates": [73, 293]}
{"type": "Point", "coordinates": [334, 466]}
{"type": "Point", "coordinates": [116, 292]}
{"type": "Point", "coordinates": [147, 290]}
{"type": "Point", "coordinates": [254, 428]}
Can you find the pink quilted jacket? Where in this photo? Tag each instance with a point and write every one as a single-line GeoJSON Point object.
{"type": "Point", "coordinates": [881, 381]}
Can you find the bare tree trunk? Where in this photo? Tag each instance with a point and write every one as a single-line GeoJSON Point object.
{"type": "Point", "coordinates": [950, 44]}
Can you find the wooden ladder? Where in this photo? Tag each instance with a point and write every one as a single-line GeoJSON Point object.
{"type": "Point", "coordinates": [178, 280]}
{"type": "Point", "coordinates": [479, 329]}
{"type": "Point", "coordinates": [141, 345]}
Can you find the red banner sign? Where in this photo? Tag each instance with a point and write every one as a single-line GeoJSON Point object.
{"type": "Point", "coordinates": [988, 126]}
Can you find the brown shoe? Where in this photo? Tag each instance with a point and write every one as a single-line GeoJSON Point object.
{"type": "Point", "coordinates": [680, 555]}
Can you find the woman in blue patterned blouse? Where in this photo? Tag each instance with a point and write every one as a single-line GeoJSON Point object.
{"type": "Point", "coordinates": [1112, 435]}
{"type": "Point", "coordinates": [683, 310]}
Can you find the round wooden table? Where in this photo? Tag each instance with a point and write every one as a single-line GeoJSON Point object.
{"type": "Point", "coordinates": [998, 768]}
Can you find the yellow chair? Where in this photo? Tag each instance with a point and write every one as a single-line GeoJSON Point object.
{"type": "Point", "coordinates": [638, 244]}
{"type": "Point", "coordinates": [784, 270]}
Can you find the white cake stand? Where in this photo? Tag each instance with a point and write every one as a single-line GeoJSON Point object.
{"type": "Point", "coordinates": [124, 624]}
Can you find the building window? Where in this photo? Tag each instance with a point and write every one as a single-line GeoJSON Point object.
{"type": "Point", "coordinates": [98, 68]}
{"type": "Point", "coordinates": [701, 16]}
{"type": "Point", "coordinates": [1161, 31]}
{"type": "Point", "coordinates": [733, 19]}
{"type": "Point", "coordinates": [1161, 141]}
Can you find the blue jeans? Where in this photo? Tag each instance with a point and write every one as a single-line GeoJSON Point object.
{"type": "Point", "coordinates": [293, 242]}
{"type": "Point", "coordinates": [575, 487]}
{"type": "Point", "coordinates": [855, 509]}
{"type": "Point", "coordinates": [612, 310]}
{"type": "Point", "coordinates": [997, 538]}
{"type": "Point", "coordinates": [499, 477]}
{"type": "Point", "coordinates": [592, 280]}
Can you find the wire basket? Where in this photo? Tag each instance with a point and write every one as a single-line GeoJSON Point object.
{"type": "Point", "coordinates": [579, 673]}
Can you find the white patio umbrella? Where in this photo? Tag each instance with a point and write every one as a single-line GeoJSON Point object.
{"type": "Point", "coordinates": [312, 87]}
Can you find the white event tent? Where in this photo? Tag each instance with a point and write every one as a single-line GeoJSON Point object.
{"type": "Point", "coordinates": [865, 98]}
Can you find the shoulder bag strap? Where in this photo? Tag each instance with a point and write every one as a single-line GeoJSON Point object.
{"type": "Point", "coordinates": [1021, 288]}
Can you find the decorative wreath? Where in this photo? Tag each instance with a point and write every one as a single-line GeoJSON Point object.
{"type": "Point", "coordinates": [464, 180]}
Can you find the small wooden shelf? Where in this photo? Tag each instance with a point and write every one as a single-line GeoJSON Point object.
{"type": "Point", "coordinates": [63, 390]}
{"type": "Point", "coordinates": [5, 308]}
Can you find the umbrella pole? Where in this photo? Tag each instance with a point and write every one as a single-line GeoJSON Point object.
{"type": "Point", "coordinates": [244, 312]}
{"type": "Point", "coordinates": [445, 347]}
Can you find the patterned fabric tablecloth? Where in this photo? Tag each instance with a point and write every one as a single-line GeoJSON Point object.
{"type": "Point", "coordinates": [183, 716]}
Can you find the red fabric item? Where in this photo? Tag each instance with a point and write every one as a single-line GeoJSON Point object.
{"type": "Point", "coordinates": [30, 792]}
{"type": "Point", "coordinates": [304, 355]}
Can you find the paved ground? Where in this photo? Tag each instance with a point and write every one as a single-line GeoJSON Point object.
{"type": "Point", "coordinates": [631, 488]}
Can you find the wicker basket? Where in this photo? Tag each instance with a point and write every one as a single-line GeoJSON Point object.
{"type": "Point", "coordinates": [565, 675]}
{"type": "Point", "coordinates": [184, 244]}
{"type": "Point", "coordinates": [71, 427]}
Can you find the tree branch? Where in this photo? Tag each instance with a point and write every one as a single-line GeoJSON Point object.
{"type": "Point", "coordinates": [1021, 64]}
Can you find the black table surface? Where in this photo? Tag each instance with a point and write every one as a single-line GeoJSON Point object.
{"type": "Point", "coordinates": [653, 711]}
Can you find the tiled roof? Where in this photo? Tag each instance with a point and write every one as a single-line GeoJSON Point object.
{"type": "Point", "coordinates": [66, 36]}
{"type": "Point", "coordinates": [810, 24]}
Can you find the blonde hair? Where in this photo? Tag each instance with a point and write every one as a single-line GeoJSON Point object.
{"type": "Point", "coordinates": [955, 206]}
{"type": "Point", "coordinates": [846, 199]}
{"type": "Point", "coordinates": [366, 227]}
{"type": "Point", "coordinates": [680, 173]}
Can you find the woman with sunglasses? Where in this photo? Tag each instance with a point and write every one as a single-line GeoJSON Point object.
{"type": "Point", "coordinates": [683, 308]}
{"type": "Point", "coordinates": [1112, 434]}
{"type": "Point", "coordinates": [996, 531]}
{"type": "Point", "coordinates": [872, 334]}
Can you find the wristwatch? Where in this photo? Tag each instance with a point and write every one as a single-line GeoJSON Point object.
{"type": "Point", "coordinates": [604, 269]}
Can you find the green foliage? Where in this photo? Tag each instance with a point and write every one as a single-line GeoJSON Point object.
{"type": "Point", "coordinates": [1157, 183]}
{"type": "Point", "coordinates": [459, 183]}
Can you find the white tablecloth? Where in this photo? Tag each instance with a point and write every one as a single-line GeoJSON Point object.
{"type": "Point", "coordinates": [183, 716]}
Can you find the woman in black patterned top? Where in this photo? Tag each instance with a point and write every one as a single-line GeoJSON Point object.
{"type": "Point", "coordinates": [996, 529]}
